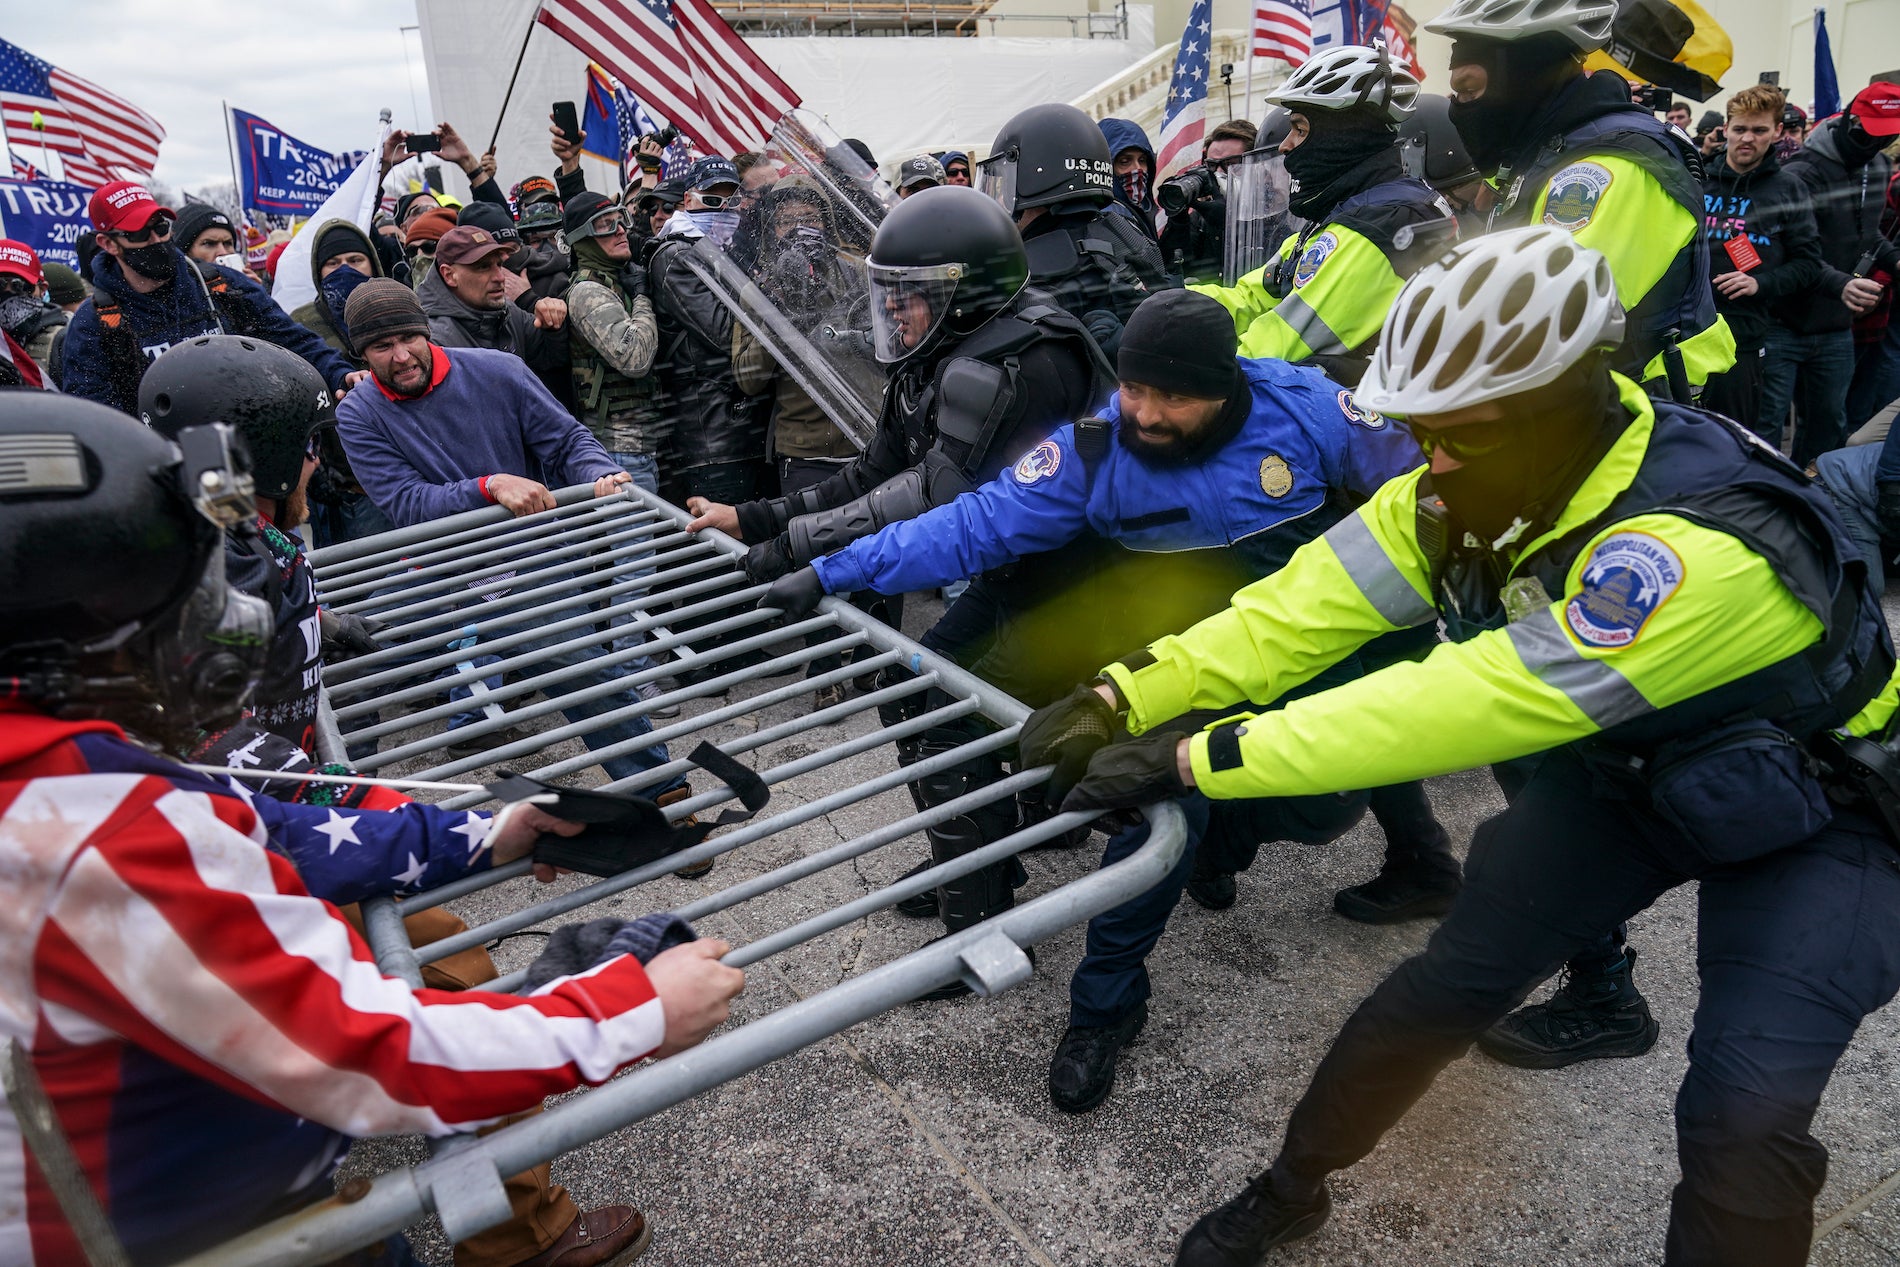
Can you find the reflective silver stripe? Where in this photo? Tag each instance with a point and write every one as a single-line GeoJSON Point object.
{"type": "Point", "coordinates": [1377, 577]}
{"type": "Point", "coordinates": [1598, 689]}
{"type": "Point", "coordinates": [1309, 325]}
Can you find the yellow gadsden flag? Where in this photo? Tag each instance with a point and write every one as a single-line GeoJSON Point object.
{"type": "Point", "coordinates": [1671, 43]}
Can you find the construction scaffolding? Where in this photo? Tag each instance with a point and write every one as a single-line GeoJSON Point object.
{"type": "Point", "coordinates": [480, 612]}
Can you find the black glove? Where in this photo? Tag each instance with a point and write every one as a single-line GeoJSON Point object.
{"type": "Point", "coordinates": [633, 280]}
{"type": "Point", "coordinates": [1124, 775]}
{"type": "Point", "coordinates": [795, 595]}
{"type": "Point", "coordinates": [1887, 510]}
{"type": "Point", "coordinates": [769, 560]}
{"type": "Point", "coordinates": [346, 634]}
{"type": "Point", "coordinates": [1066, 733]}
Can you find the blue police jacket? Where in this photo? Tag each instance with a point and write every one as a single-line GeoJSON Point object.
{"type": "Point", "coordinates": [1305, 455]}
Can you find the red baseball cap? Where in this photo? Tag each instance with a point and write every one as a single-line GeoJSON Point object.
{"type": "Point", "coordinates": [1877, 106]}
{"type": "Point", "coordinates": [21, 260]}
{"type": "Point", "coordinates": [124, 206]}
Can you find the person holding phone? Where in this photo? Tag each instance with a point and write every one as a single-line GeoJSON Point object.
{"type": "Point", "coordinates": [1763, 246]}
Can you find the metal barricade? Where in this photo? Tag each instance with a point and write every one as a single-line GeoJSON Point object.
{"type": "Point", "coordinates": [559, 597]}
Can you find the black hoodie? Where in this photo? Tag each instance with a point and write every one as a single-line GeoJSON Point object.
{"type": "Point", "coordinates": [1770, 209]}
{"type": "Point", "coordinates": [1846, 202]}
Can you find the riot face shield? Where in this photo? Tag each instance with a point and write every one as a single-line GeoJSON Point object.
{"type": "Point", "coordinates": [1258, 214]}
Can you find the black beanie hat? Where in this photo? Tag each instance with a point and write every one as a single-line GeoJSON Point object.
{"type": "Point", "coordinates": [340, 239]}
{"type": "Point", "coordinates": [1182, 342]}
{"type": "Point", "coordinates": [195, 219]}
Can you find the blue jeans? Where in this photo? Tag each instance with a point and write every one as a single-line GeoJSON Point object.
{"type": "Point", "coordinates": [1811, 372]}
{"type": "Point", "coordinates": [1113, 977]}
{"type": "Point", "coordinates": [619, 731]}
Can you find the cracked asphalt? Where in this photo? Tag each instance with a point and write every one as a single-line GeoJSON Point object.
{"type": "Point", "coordinates": [925, 1136]}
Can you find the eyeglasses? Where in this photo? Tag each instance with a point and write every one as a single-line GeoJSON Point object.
{"type": "Point", "coordinates": [157, 229]}
{"type": "Point", "coordinates": [1462, 444]}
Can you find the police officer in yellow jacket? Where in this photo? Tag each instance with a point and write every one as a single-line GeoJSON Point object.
{"type": "Point", "coordinates": [1368, 224]}
{"type": "Point", "coordinates": [1668, 612]}
{"type": "Point", "coordinates": [1570, 150]}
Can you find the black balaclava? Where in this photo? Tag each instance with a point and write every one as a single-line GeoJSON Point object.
{"type": "Point", "coordinates": [1560, 431]}
{"type": "Point", "coordinates": [1338, 143]}
{"type": "Point", "coordinates": [1522, 75]}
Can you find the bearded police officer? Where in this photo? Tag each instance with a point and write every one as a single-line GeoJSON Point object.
{"type": "Point", "coordinates": [1668, 612]}
{"type": "Point", "coordinates": [983, 369]}
{"type": "Point", "coordinates": [1208, 474]}
{"type": "Point", "coordinates": [1051, 170]}
{"type": "Point", "coordinates": [1323, 298]}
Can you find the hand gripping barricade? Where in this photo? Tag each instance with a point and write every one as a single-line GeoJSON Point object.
{"type": "Point", "coordinates": [589, 575]}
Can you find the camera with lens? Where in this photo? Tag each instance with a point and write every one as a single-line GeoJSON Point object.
{"type": "Point", "coordinates": [1654, 99]}
{"type": "Point", "coordinates": [1177, 192]}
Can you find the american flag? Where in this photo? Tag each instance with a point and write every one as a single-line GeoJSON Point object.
{"type": "Point", "coordinates": [1283, 30]}
{"type": "Point", "coordinates": [690, 66]}
{"type": "Point", "coordinates": [75, 118]}
{"type": "Point", "coordinates": [1185, 119]}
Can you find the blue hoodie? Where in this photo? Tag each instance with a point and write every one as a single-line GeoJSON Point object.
{"type": "Point", "coordinates": [179, 310]}
{"type": "Point", "coordinates": [1122, 135]}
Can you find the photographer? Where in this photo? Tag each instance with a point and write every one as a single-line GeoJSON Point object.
{"type": "Point", "coordinates": [1194, 203]}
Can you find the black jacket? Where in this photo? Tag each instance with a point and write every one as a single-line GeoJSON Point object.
{"type": "Point", "coordinates": [713, 420]}
{"type": "Point", "coordinates": [1846, 204]}
{"type": "Point", "coordinates": [1770, 209]}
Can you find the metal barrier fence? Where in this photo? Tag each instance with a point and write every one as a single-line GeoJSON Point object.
{"type": "Point", "coordinates": [570, 601]}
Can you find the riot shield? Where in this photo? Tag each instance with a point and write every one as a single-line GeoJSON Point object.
{"type": "Point", "coordinates": [1258, 215]}
{"type": "Point", "coordinates": [794, 274]}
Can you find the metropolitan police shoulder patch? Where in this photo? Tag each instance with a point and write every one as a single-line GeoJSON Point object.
{"type": "Point", "coordinates": [1574, 192]}
{"type": "Point", "coordinates": [1625, 580]}
{"type": "Point", "coordinates": [1313, 256]}
{"type": "Point", "coordinates": [1039, 463]}
{"type": "Point", "coordinates": [1356, 412]}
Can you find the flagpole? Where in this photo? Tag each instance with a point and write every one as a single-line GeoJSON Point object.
{"type": "Point", "coordinates": [532, 23]}
{"type": "Point", "coordinates": [230, 148]}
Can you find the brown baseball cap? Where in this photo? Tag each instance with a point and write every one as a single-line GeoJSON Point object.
{"type": "Point", "coordinates": [468, 244]}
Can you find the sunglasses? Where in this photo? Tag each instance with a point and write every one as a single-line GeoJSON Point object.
{"type": "Point", "coordinates": [157, 229]}
{"type": "Point", "coordinates": [1463, 444]}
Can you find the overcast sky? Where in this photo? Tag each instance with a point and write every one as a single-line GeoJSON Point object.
{"type": "Point", "coordinates": [319, 69]}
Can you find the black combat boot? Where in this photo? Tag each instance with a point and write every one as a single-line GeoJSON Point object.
{"type": "Point", "coordinates": [1420, 877]}
{"type": "Point", "coordinates": [1239, 1232]}
{"type": "Point", "coordinates": [1082, 1072]}
{"type": "Point", "coordinates": [1590, 1017]}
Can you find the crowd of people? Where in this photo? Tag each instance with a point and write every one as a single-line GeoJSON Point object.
{"type": "Point", "coordinates": [1525, 411]}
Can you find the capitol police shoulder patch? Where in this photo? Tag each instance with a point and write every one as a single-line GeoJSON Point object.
{"type": "Point", "coordinates": [1625, 580]}
{"type": "Point", "coordinates": [1356, 412]}
{"type": "Point", "coordinates": [1574, 192]}
{"type": "Point", "coordinates": [1039, 463]}
{"type": "Point", "coordinates": [1313, 256]}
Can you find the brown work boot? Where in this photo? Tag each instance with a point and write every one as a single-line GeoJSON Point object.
{"type": "Point", "coordinates": [697, 869]}
{"type": "Point", "coordinates": [611, 1236]}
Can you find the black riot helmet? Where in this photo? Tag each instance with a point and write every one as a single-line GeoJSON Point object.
{"type": "Point", "coordinates": [1047, 156]}
{"type": "Point", "coordinates": [112, 594]}
{"type": "Point", "coordinates": [944, 261]}
{"type": "Point", "coordinates": [1431, 147]}
{"type": "Point", "coordinates": [272, 398]}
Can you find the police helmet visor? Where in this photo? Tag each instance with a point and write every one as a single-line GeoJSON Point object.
{"type": "Point", "coordinates": [908, 305]}
{"type": "Point", "coordinates": [996, 178]}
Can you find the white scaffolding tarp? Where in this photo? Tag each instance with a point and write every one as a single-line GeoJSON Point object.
{"type": "Point", "coordinates": [899, 95]}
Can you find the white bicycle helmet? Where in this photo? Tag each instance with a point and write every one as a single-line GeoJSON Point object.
{"type": "Point", "coordinates": [1496, 316]}
{"type": "Point", "coordinates": [1347, 76]}
{"type": "Point", "coordinates": [1585, 23]}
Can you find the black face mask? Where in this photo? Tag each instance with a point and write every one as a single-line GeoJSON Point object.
{"type": "Point", "coordinates": [155, 260]}
{"type": "Point", "coordinates": [1568, 426]}
{"type": "Point", "coordinates": [1335, 147]}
